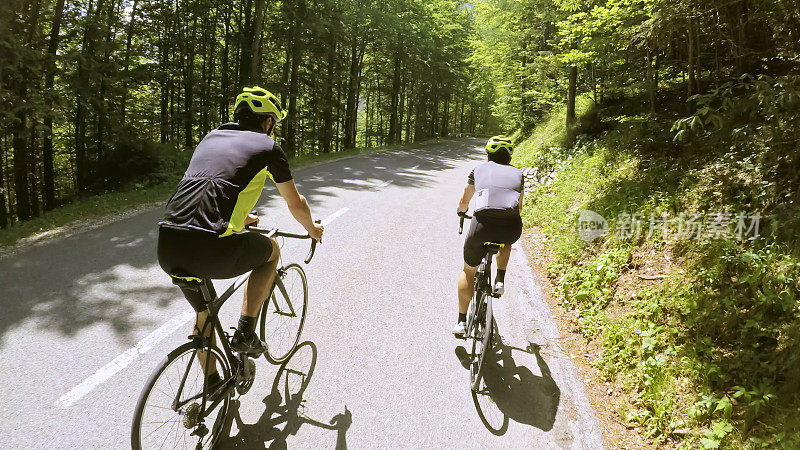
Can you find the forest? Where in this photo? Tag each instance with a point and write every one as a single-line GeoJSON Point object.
{"type": "Point", "coordinates": [97, 93]}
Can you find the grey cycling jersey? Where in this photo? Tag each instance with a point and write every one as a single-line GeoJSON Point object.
{"type": "Point", "coordinates": [497, 189]}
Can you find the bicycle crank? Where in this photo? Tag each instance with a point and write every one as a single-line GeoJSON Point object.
{"type": "Point", "coordinates": [246, 375]}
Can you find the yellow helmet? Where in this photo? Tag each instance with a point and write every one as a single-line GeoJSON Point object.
{"type": "Point", "coordinates": [499, 142]}
{"type": "Point", "coordinates": [260, 101]}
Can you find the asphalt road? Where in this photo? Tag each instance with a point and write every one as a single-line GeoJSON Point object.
{"type": "Point", "coordinates": [86, 318]}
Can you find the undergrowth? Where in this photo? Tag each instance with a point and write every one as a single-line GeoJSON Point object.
{"type": "Point", "coordinates": [709, 354]}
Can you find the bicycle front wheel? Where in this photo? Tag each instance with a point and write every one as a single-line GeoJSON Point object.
{"type": "Point", "coordinates": [481, 343]}
{"type": "Point", "coordinates": [168, 411]}
{"type": "Point", "coordinates": [284, 313]}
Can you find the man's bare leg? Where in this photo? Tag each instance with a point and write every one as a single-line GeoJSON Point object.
{"type": "Point", "coordinates": [466, 287]}
{"type": "Point", "coordinates": [503, 256]}
{"type": "Point", "coordinates": [202, 317]}
{"type": "Point", "coordinates": [260, 282]}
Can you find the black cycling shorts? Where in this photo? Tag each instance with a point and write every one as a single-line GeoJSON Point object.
{"type": "Point", "coordinates": [206, 255]}
{"type": "Point", "coordinates": [489, 229]}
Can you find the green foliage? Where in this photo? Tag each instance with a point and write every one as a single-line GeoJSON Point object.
{"type": "Point", "coordinates": [127, 84]}
{"type": "Point", "coordinates": [712, 348]}
{"type": "Point", "coordinates": [714, 437]}
{"type": "Point", "coordinates": [736, 107]}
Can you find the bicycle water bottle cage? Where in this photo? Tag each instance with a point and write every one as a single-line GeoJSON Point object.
{"type": "Point", "coordinates": [492, 247]}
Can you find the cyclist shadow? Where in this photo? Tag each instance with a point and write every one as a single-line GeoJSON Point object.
{"type": "Point", "coordinates": [284, 408]}
{"type": "Point", "coordinates": [513, 390]}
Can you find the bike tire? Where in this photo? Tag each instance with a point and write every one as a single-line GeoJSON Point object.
{"type": "Point", "coordinates": [286, 324]}
{"type": "Point", "coordinates": [481, 345]}
{"type": "Point", "coordinates": [185, 352]}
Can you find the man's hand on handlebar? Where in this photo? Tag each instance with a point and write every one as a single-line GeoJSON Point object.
{"type": "Point", "coordinates": [316, 231]}
{"type": "Point", "coordinates": [251, 219]}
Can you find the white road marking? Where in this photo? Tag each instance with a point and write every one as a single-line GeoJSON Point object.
{"type": "Point", "coordinates": [129, 356]}
{"type": "Point", "coordinates": [124, 360]}
{"type": "Point", "coordinates": [384, 184]}
{"type": "Point", "coordinates": [333, 216]}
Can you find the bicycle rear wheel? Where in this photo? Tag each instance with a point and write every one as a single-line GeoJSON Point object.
{"type": "Point", "coordinates": [284, 313]}
{"type": "Point", "coordinates": [482, 341]}
{"type": "Point", "coordinates": [157, 424]}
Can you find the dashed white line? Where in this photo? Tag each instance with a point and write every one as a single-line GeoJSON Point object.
{"type": "Point", "coordinates": [333, 216]}
{"type": "Point", "coordinates": [122, 361]}
{"type": "Point", "coordinates": [384, 184]}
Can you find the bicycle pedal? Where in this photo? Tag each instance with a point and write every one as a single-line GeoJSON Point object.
{"type": "Point", "coordinates": [201, 431]}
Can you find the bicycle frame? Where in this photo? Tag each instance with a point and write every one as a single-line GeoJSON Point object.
{"type": "Point", "coordinates": [214, 305]}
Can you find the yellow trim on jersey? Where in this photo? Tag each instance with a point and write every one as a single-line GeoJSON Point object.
{"type": "Point", "coordinates": [245, 202]}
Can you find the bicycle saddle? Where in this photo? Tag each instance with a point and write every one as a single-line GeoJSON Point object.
{"type": "Point", "coordinates": [492, 247]}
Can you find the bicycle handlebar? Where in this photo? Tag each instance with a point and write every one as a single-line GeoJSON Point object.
{"type": "Point", "coordinates": [271, 232]}
{"type": "Point", "coordinates": [463, 215]}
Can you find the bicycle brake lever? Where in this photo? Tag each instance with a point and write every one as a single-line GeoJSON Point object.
{"type": "Point", "coordinates": [311, 252]}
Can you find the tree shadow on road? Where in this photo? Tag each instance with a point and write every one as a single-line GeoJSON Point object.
{"type": "Point", "coordinates": [512, 391]}
{"type": "Point", "coordinates": [110, 274]}
{"type": "Point", "coordinates": [284, 411]}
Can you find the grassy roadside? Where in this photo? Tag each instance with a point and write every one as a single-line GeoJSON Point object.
{"type": "Point", "coordinates": [700, 333]}
{"type": "Point", "coordinates": [142, 194]}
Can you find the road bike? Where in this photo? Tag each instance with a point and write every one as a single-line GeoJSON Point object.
{"type": "Point", "coordinates": [178, 408]}
{"type": "Point", "coordinates": [480, 322]}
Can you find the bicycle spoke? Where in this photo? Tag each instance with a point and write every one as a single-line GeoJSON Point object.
{"type": "Point", "coordinates": [160, 426]}
{"type": "Point", "coordinates": [283, 316]}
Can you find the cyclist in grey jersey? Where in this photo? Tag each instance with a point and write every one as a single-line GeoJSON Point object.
{"type": "Point", "coordinates": [498, 190]}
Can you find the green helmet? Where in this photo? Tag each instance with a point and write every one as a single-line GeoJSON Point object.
{"type": "Point", "coordinates": [260, 101]}
{"type": "Point", "coordinates": [500, 143]}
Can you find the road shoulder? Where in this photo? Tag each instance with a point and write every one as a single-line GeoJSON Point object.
{"type": "Point", "coordinates": [607, 399]}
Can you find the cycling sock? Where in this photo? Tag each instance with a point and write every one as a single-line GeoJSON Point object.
{"type": "Point", "coordinates": [501, 276]}
{"type": "Point", "coordinates": [247, 324]}
{"type": "Point", "coordinates": [462, 317]}
{"type": "Point", "coordinates": [214, 379]}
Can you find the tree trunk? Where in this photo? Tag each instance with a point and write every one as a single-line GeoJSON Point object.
{"type": "Point", "coordinates": [446, 116]}
{"type": "Point", "coordinates": [104, 72]}
{"type": "Point", "coordinates": [351, 111]}
{"type": "Point", "coordinates": [571, 93]}
{"type": "Point", "coordinates": [258, 30]}
{"type": "Point", "coordinates": [245, 57]}
{"type": "Point", "coordinates": [690, 87]}
{"type": "Point", "coordinates": [409, 109]}
{"type": "Point", "coordinates": [651, 82]}
{"type": "Point", "coordinates": [434, 112]}
{"type": "Point", "coordinates": [188, 89]}
{"type": "Point", "coordinates": [327, 112]}
{"type": "Point", "coordinates": [291, 124]}
{"type": "Point", "coordinates": [419, 114]}
{"type": "Point", "coordinates": [164, 87]}
{"type": "Point", "coordinates": [127, 64]}
{"type": "Point", "coordinates": [393, 116]}
{"type": "Point", "coordinates": [87, 53]}
{"type": "Point", "coordinates": [47, 146]}
{"type": "Point", "coordinates": [4, 222]}
{"type": "Point", "coordinates": [21, 161]}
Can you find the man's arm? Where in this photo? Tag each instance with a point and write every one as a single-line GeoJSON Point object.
{"type": "Point", "coordinates": [469, 191]}
{"type": "Point", "coordinates": [298, 206]}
